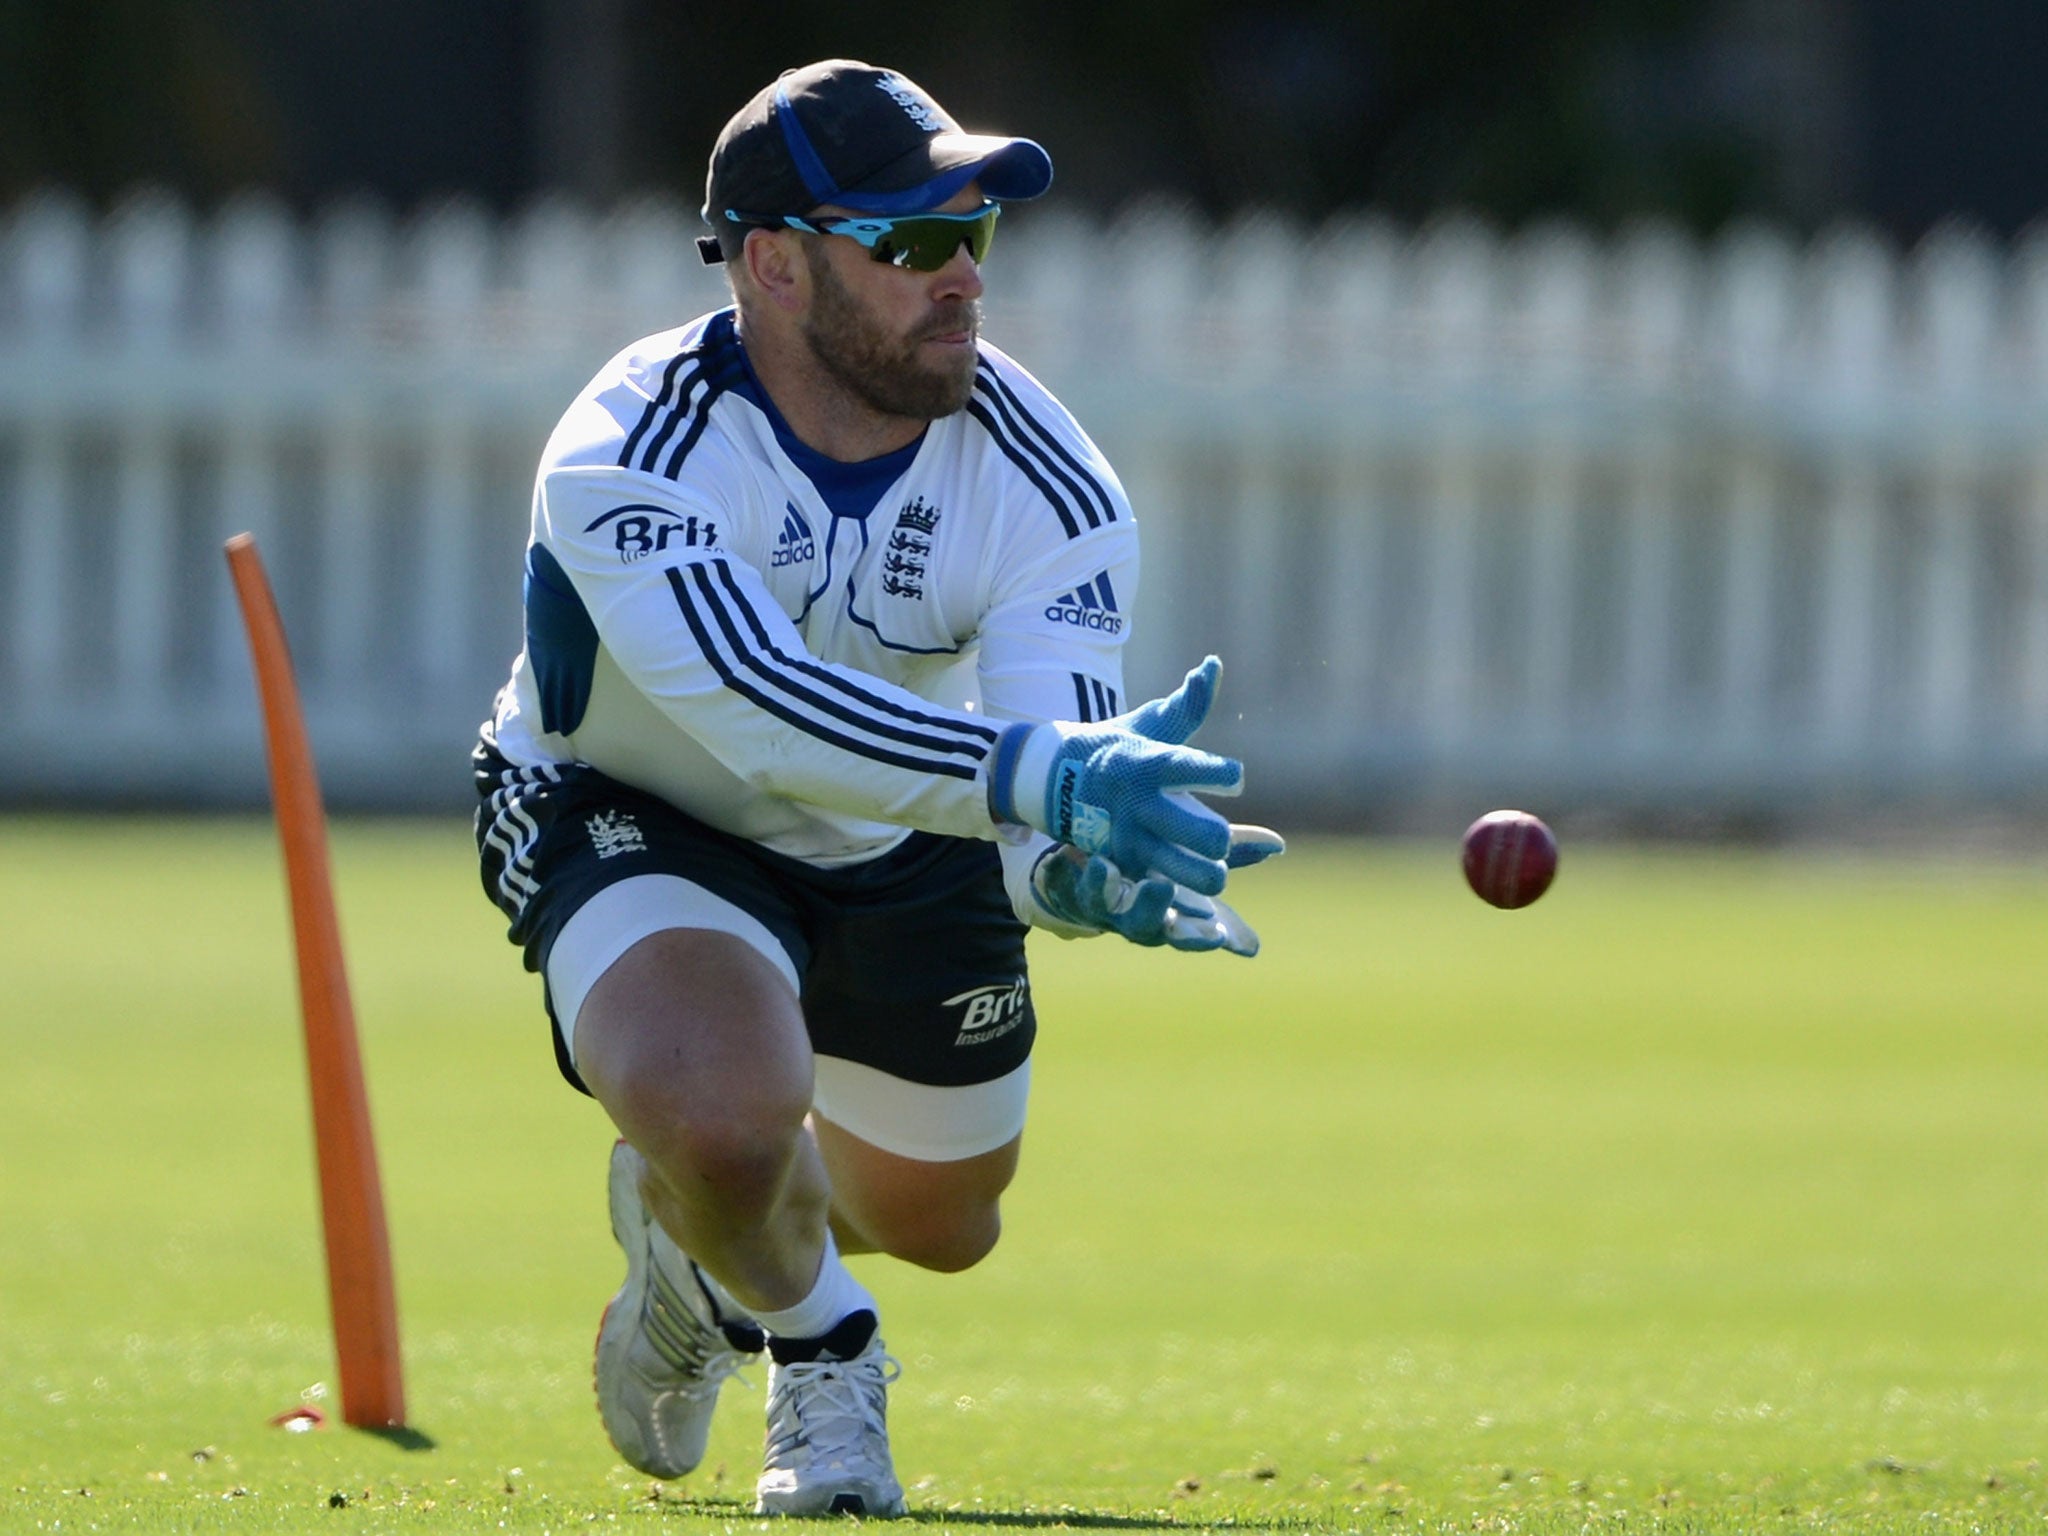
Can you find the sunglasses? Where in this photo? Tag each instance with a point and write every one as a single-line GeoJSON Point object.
{"type": "Point", "coordinates": [923, 242]}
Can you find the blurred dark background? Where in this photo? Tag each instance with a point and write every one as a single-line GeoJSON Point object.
{"type": "Point", "coordinates": [1894, 112]}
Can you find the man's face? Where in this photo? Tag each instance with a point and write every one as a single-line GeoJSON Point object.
{"type": "Point", "coordinates": [901, 342]}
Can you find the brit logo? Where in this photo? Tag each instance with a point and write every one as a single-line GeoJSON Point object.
{"type": "Point", "coordinates": [643, 529]}
{"type": "Point", "coordinates": [612, 834]}
{"type": "Point", "coordinates": [794, 545]}
{"type": "Point", "coordinates": [909, 546]}
{"type": "Point", "coordinates": [990, 1012]}
{"type": "Point", "coordinates": [1092, 605]}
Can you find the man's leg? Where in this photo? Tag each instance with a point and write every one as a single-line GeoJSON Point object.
{"type": "Point", "coordinates": [938, 1215]}
{"type": "Point", "coordinates": [694, 1044]}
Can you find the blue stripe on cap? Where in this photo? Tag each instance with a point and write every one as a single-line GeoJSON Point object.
{"type": "Point", "coordinates": [817, 180]}
{"type": "Point", "coordinates": [922, 198]}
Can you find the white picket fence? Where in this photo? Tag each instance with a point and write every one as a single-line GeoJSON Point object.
{"type": "Point", "coordinates": [1635, 521]}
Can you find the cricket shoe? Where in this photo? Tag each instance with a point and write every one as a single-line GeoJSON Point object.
{"type": "Point", "coordinates": [664, 1347]}
{"type": "Point", "coordinates": [828, 1426]}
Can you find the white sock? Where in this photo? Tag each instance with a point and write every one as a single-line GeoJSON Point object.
{"type": "Point", "coordinates": [834, 1295]}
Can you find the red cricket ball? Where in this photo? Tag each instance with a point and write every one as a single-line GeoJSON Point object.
{"type": "Point", "coordinates": [1510, 858]}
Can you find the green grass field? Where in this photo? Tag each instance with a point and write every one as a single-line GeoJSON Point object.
{"type": "Point", "coordinates": [1710, 1194]}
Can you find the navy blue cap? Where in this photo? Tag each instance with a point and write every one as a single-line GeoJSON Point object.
{"type": "Point", "coordinates": [858, 137]}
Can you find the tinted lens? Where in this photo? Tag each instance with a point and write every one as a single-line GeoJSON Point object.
{"type": "Point", "coordinates": [927, 242]}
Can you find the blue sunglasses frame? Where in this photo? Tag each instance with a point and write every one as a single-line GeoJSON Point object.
{"type": "Point", "coordinates": [922, 242]}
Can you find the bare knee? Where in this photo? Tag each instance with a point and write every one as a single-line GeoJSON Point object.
{"type": "Point", "coordinates": [695, 1047]}
{"type": "Point", "coordinates": [693, 1150]}
{"type": "Point", "coordinates": [946, 1241]}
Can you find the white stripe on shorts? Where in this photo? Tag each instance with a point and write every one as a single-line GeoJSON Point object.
{"type": "Point", "coordinates": [933, 1125]}
{"type": "Point", "coordinates": [627, 911]}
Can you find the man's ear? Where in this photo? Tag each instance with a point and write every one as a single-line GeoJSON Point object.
{"type": "Point", "coordinates": [775, 262]}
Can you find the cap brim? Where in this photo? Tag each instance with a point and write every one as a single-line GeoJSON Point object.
{"type": "Point", "coordinates": [1015, 172]}
{"type": "Point", "coordinates": [1009, 170]}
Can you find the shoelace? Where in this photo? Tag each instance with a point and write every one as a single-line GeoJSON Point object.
{"type": "Point", "coordinates": [841, 1402]}
{"type": "Point", "coordinates": [719, 1367]}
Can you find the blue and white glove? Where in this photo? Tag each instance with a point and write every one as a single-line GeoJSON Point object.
{"type": "Point", "coordinates": [1120, 788]}
{"type": "Point", "coordinates": [1087, 891]}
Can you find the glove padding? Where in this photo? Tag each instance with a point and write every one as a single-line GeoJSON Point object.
{"type": "Point", "coordinates": [1120, 788]}
{"type": "Point", "coordinates": [1088, 891]}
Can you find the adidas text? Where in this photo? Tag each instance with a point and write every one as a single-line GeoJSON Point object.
{"type": "Point", "coordinates": [1085, 618]}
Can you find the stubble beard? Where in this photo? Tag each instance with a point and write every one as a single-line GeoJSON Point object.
{"type": "Point", "coordinates": [882, 371]}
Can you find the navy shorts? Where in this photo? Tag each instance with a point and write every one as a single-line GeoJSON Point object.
{"type": "Point", "coordinates": [911, 963]}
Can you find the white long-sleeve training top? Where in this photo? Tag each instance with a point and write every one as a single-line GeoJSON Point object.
{"type": "Point", "coordinates": [813, 655]}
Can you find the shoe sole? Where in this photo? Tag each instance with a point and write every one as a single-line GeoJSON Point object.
{"type": "Point", "coordinates": [839, 1504]}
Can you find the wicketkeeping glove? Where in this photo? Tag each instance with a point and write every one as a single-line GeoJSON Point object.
{"type": "Point", "coordinates": [1089, 892]}
{"type": "Point", "coordinates": [1121, 787]}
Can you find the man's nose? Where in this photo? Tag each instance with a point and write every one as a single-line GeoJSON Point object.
{"type": "Point", "coordinates": [959, 278]}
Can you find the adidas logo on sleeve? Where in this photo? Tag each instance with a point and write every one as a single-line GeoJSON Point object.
{"type": "Point", "coordinates": [1092, 605]}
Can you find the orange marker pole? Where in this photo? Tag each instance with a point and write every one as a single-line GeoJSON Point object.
{"type": "Point", "coordinates": [360, 1293]}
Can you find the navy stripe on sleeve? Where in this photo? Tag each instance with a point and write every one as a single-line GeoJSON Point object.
{"type": "Point", "coordinates": [723, 381]}
{"type": "Point", "coordinates": [768, 678]}
{"type": "Point", "coordinates": [981, 413]}
{"type": "Point", "coordinates": [1083, 480]}
{"type": "Point", "coordinates": [1093, 701]}
{"type": "Point", "coordinates": [975, 730]}
{"type": "Point", "coordinates": [718, 365]}
{"type": "Point", "coordinates": [1021, 435]}
{"type": "Point", "coordinates": [660, 403]}
{"type": "Point", "coordinates": [753, 695]}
